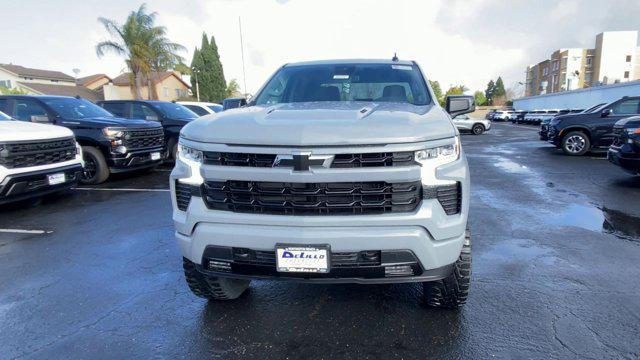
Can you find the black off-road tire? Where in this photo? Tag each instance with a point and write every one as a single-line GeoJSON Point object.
{"type": "Point", "coordinates": [477, 129]}
{"type": "Point", "coordinates": [574, 147]}
{"type": "Point", "coordinates": [452, 291]}
{"type": "Point", "coordinates": [100, 171]}
{"type": "Point", "coordinates": [210, 287]}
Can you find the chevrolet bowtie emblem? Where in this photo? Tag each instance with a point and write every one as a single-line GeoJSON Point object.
{"type": "Point", "coordinates": [303, 161]}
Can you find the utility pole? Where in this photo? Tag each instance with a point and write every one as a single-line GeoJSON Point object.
{"type": "Point", "coordinates": [244, 75]}
{"type": "Point", "coordinates": [195, 72]}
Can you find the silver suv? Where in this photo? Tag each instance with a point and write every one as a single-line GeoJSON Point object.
{"type": "Point", "coordinates": [335, 172]}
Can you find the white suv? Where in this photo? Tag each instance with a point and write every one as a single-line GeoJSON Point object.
{"type": "Point", "coordinates": [36, 159]}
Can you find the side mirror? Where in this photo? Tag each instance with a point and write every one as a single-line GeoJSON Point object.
{"type": "Point", "coordinates": [460, 104]}
{"type": "Point", "coordinates": [606, 112]}
{"type": "Point", "coordinates": [232, 103]}
{"type": "Point", "coordinates": [42, 119]}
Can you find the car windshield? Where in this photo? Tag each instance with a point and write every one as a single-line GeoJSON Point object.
{"type": "Point", "coordinates": [215, 108]}
{"type": "Point", "coordinates": [174, 111]}
{"type": "Point", "coordinates": [595, 108]}
{"type": "Point", "coordinates": [346, 82]}
{"type": "Point", "coordinates": [4, 117]}
{"type": "Point", "coordinates": [72, 108]}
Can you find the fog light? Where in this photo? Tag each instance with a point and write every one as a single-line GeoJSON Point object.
{"type": "Point", "coordinates": [121, 149]}
{"type": "Point", "coordinates": [398, 270]}
{"type": "Point", "coordinates": [217, 265]}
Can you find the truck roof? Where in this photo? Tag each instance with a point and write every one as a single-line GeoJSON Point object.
{"type": "Point", "coordinates": [352, 61]}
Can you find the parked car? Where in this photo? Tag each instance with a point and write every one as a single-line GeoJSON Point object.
{"type": "Point", "coordinates": [532, 116]}
{"type": "Point", "coordinates": [576, 134]}
{"type": "Point", "coordinates": [171, 116]}
{"type": "Point", "coordinates": [201, 108]}
{"type": "Point", "coordinates": [501, 115]}
{"type": "Point", "coordinates": [489, 114]}
{"type": "Point", "coordinates": [275, 189]}
{"type": "Point", "coordinates": [544, 124]}
{"type": "Point", "coordinates": [109, 144]}
{"type": "Point", "coordinates": [36, 159]}
{"type": "Point", "coordinates": [625, 150]}
{"type": "Point", "coordinates": [476, 126]}
{"type": "Point", "coordinates": [516, 115]}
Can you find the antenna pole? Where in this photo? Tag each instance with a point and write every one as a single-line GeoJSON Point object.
{"type": "Point", "coordinates": [244, 75]}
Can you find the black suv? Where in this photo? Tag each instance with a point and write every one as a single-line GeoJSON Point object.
{"type": "Point", "coordinates": [109, 144]}
{"type": "Point", "coordinates": [172, 116]}
{"type": "Point", "coordinates": [579, 133]}
{"type": "Point", "coordinates": [625, 150]}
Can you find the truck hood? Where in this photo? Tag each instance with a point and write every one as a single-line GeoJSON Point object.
{"type": "Point", "coordinates": [26, 131]}
{"type": "Point", "coordinates": [323, 124]}
{"type": "Point", "coordinates": [630, 122]}
{"type": "Point", "coordinates": [111, 121]}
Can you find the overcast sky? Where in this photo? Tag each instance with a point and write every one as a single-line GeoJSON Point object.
{"type": "Point", "coordinates": [456, 41]}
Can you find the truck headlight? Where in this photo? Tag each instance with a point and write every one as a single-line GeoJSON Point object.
{"type": "Point", "coordinates": [441, 154]}
{"type": "Point", "coordinates": [113, 133]}
{"type": "Point", "coordinates": [633, 131]}
{"type": "Point", "coordinates": [189, 153]}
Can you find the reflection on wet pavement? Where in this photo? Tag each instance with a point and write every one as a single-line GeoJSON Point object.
{"type": "Point", "coordinates": [582, 216]}
{"type": "Point", "coordinates": [621, 224]}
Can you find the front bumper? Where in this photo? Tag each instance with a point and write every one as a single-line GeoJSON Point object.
{"type": "Point", "coordinates": [135, 160]}
{"type": "Point", "coordinates": [434, 237]}
{"type": "Point", "coordinates": [21, 186]}
{"type": "Point", "coordinates": [628, 161]}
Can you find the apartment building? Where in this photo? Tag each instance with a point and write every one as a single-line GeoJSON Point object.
{"type": "Point", "coordinates": [614, 59]}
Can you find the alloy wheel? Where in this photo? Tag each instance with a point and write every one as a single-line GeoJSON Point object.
{"type": "Point", "coordinates": [575, 144]}
{"type": "Point", "coordinates": [90, 168]}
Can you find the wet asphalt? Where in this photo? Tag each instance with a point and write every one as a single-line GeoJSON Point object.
{"type": "Point", "coordinates": [556, 245]}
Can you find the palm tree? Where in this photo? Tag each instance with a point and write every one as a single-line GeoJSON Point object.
{"type": "Point", "coordinates": [145, 46]}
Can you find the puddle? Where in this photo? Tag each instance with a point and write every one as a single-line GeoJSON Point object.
{"type": "Point", "coordinates": [512, 167]}
{"type": "Point", "coordinates": [594, 218]}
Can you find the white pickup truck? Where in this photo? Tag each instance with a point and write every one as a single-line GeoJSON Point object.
{"type": "Point", "coordinates": [36, 159]}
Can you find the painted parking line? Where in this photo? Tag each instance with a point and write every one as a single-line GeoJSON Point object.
{"type": "Point", "coordinates": [122, 189]}
{"type": "Point", "coordinates": [23, 231]}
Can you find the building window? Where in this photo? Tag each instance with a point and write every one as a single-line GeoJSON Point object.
{"type": "Point", "coordinates": [5, 83]}
{"type": "Point", "coordinates": [626, 74]}
{"type": "Point", "coordinates": [628, 58]}
{"type": "Point", "coordinates": [589, 61]}
{"type": "Point", "coordinates": [587, 78]}
{"type": "Point", "coordinates": [165, 92]}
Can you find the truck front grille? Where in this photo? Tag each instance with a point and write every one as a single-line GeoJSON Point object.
{"type": "Point", "coordinates": [384, 159]}
{"type": "Point", "coordinates": [144, 138]}
{"type": "Point", "coordinates": [37, 153]}
{"type": "Point", "coordinates": [183, 195]}
{"type": "Point", "coordinates": [277, 198]}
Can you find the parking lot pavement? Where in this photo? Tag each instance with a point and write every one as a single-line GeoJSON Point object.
{"type": "Point", "coordinates": [556, 243]}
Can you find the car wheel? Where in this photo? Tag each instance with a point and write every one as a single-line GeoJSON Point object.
{"type": "Point", "coordinates": [477, 129]}
{"type": "Point", "coordinates": [576, 143]}
{"type": "Point", "coordinates": [452, 292]}
{"type": "Point", "coordinates": [96, 170]}
{"type": "Point", "coordinates": [211, 287]}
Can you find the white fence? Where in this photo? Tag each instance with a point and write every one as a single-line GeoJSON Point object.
{"type": "Point", "coordinates": [579, 99]}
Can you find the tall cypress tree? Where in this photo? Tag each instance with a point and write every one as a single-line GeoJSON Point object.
{"type": "Point", "coordinates": [499, 89]}
{"type": "Point", "coordinates": [206, 62]}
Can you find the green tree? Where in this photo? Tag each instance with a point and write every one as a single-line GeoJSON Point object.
{"type": "Point", "coordinates": [437, 91]}
{"type": "Point", "coordinates": [455, 90]}
{"type": "Point", "coordinates": [206, 64]}
{"type": "Point", "coordinates": [233, 89]}
{"type": "Point", "coordinates": [5, 91]}
{"type": "Point", "coordinates": [499, 90]}
{"type": "Point", "coordinates": [480, 98]}
{"type": "Point", "coordinates": [144, 46]}
{"type": "Point", "coordinates": [488, 93]}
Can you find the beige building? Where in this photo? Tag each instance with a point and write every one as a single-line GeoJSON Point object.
{"type": "Point", "coordinates": [615, 58]}
{"type": "Point", "coordinates": [165, 86]}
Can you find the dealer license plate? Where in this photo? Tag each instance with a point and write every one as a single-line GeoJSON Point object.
{"type": "Point", "coordinates": [303, 259]}
{"type": "Point", "coordinates": [155, 156]}
{"type": "Point", "coordinates": [55, 179]}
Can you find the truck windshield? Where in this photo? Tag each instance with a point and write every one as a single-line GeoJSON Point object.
{"type": "Point", "coordinates": [4, 117]}
{"type": "Point", "coordinates": [346, 82]}
{"type": "Point", "coordinates": [174, 111]}
{"type": "Point", "coordinates": [72, 108]}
